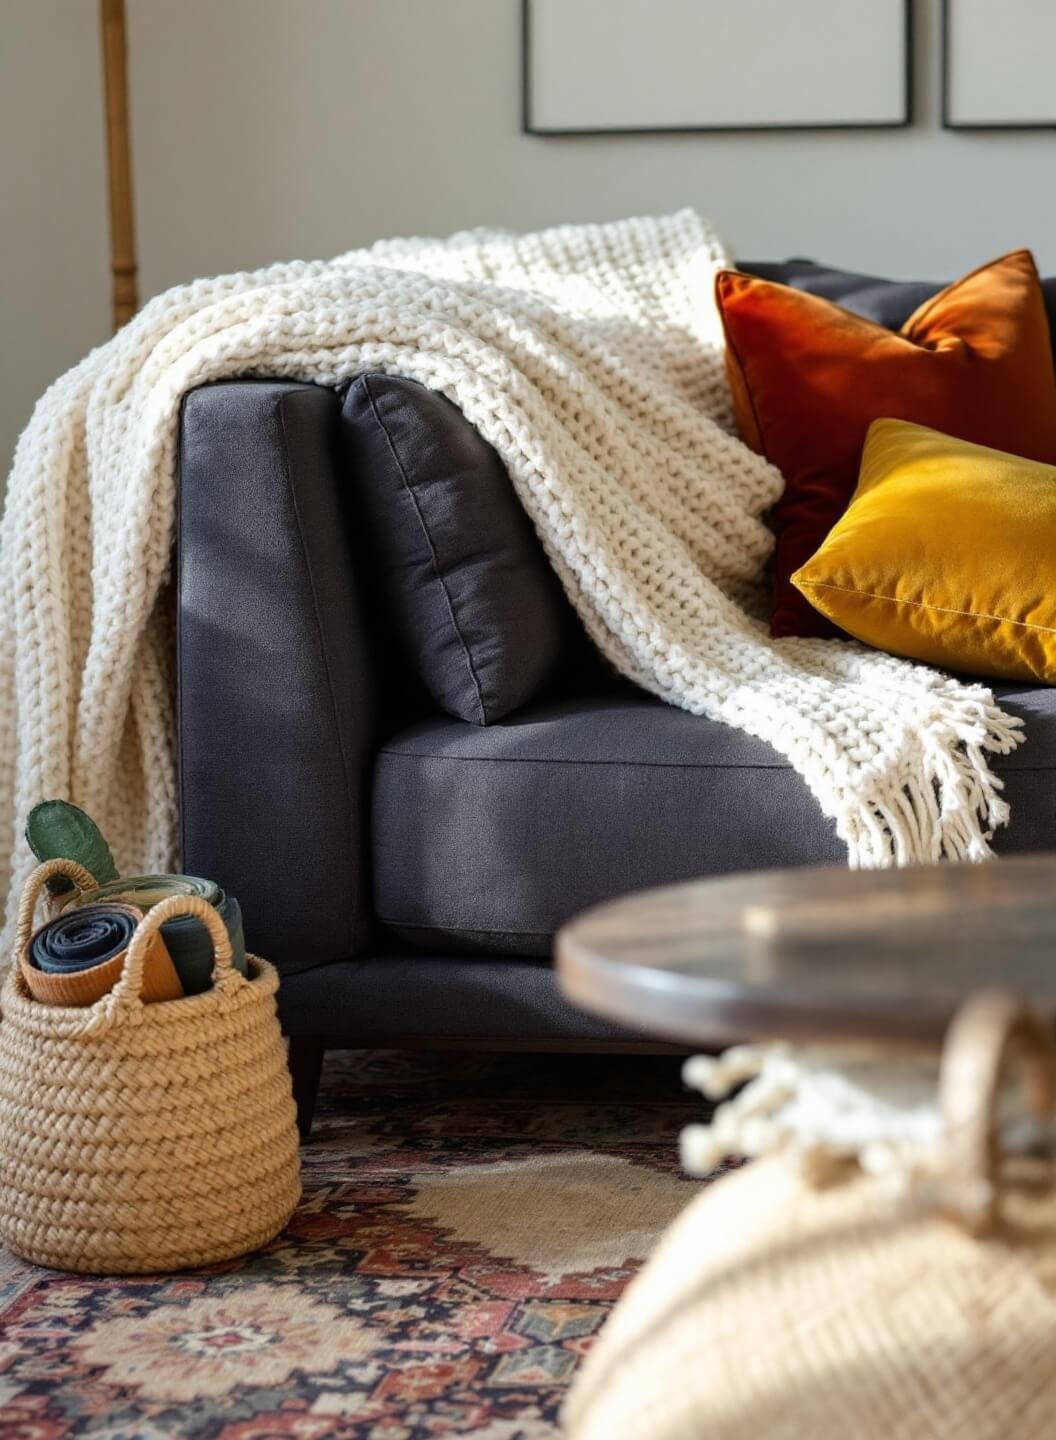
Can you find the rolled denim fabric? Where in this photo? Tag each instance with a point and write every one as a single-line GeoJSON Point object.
{"type": "Point", "coordinates": [78, 957]}
{"type": "Point", "coordinates": [186, 939]}
{"type": "Point", "coordinates": [83, 938]}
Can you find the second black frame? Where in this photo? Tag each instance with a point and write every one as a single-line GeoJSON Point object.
{"type": "Point", "coordinates": [979, 125]}
{"type": "Point", "coordinates": [528, 128]}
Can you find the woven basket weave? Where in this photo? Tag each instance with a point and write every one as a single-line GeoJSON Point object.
{"type": "Point", "coordinates": [851, 1312]}
{"type": "Point", "coordinates": [137, 1137]}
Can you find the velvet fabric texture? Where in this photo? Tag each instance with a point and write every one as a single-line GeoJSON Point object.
{"type": "Point", "coordinates": [889, 302]}
{"type": "Point", "coordinates": [808, 379]}
{"type": "Point", "coordinates": [946, 554]}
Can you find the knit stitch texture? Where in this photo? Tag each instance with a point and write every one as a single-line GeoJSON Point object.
{"type": "Point", "coordinates": [591, 358]}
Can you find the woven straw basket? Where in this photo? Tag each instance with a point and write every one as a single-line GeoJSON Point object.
{"type": "Point", "coordinates": [140, 1137]}
{"type": "Point", "coordinates": [851, 1312]}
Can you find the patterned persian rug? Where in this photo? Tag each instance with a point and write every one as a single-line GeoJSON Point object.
{"type": "Point", "coordinates": [467, 1224]}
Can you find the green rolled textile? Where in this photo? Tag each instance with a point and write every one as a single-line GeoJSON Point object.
{"type": "Point", "coordinates": [191, 948]}
{"type": "Point", "coordinates": [186, 939]}
{"type": "Point", "coordinates": [147, 890]}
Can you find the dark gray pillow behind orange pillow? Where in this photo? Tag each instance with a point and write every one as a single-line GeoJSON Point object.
{"type": "Point", "coordinates": [888, 302]}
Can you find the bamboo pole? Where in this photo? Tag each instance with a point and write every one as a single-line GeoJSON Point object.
{"type": "Point", "coordinates": [119, 161]}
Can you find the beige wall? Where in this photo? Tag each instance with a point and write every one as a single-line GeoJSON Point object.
{"type": "Point", "coordinates": [53, 301]}
{"type": "Point", "coordinates": [278, 128]}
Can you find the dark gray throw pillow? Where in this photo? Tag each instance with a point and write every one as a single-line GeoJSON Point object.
{"type": "Point", "coordinates": [888, 302]}
{"type": "Point", "coordinates": [461, 571]}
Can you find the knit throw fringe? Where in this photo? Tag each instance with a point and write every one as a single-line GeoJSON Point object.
{"type": "Point", "coordinates": [591, 359]}
{"type": "Point", "coordinates": [825, 1107]}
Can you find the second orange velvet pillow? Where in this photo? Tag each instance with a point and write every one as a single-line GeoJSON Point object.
{"type": "Point", "coordinates": [809, 378]}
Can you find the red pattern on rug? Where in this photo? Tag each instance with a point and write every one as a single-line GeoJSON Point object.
{"type": "Point", "coordinates": [467, 1224]}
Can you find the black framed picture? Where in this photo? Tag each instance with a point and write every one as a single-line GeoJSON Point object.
{"type": "Point", "coordinates": [603, 67]}
{"type": "Point", "coordinates": [998, 59]}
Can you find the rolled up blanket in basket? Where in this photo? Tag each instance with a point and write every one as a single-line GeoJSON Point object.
{"type": "Point", "coordinates": [192, 950]}
{"type": "Point", "coordinates": [81, 940]}
{"type": "Point", "coordinates": [77, 958]}
{"type": "Point", "coordinates": [144, 891]}
{"type": "Point", "coordinates": [186, 938]}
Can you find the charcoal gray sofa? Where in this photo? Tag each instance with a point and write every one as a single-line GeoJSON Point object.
{"type": "Point", "coordinates": [407, 870]}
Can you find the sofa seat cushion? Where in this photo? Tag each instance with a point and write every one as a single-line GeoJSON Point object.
{"type": "Point", "coordinates": [487, 840]}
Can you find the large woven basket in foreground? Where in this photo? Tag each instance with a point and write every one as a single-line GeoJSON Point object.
{"type": "Point", "coordinates": [856, 1311]}
{"type": "Point", "coordinates": [140, 1137]}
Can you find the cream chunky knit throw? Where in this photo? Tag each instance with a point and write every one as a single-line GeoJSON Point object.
{"type": "Point", "coordinates": [591, 358]}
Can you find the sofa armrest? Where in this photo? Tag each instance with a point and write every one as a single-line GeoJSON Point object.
{"type": "Point", "coordinates": [274, 680]}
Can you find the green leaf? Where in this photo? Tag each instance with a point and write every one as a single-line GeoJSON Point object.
{"type": "Point", "coordinates": [58, 830]}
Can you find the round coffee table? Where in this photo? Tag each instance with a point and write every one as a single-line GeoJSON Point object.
{"type": "Point", "coordinates": [816, 954]}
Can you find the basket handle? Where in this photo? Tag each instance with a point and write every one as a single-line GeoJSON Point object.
{"type": "Point", "coordinates": [27, 905]}
{"type": "Point", "coordinates": [992, 1030]}
{"type": "Point", "coordinates": [130, 982]}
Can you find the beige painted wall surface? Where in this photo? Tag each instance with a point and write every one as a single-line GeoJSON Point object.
{"type": "Point", "coordinates": [267, 129]}
{"type": "Point", "coordinates": [53, 260]}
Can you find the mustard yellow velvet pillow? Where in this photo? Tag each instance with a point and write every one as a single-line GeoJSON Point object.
{"type": "Point", "coordinates": [946, 554]}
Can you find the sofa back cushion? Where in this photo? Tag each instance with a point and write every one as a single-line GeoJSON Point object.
{"type": "Point", "coordinates": [459, 568]}
{"type": "Point", "coordinates": [889, 302]}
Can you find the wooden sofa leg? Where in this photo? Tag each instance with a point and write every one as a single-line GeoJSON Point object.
{"type": "Point", "coordinates": [305, 1060]}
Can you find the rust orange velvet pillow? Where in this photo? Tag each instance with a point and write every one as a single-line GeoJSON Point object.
{"type": "Point", "coordinates": [809, 378]}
